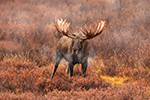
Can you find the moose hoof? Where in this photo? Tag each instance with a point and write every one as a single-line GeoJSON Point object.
{"type": "Point", "coordinates": [83, 75]}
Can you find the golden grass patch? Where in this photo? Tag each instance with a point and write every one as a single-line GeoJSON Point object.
{"type": "Point", "coordinates": [115, 80]}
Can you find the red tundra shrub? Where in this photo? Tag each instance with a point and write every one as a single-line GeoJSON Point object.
{"type": "Point", "coordinates": [28, 40]}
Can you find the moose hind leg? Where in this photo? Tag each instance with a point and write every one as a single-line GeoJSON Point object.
{"type": "Point", "coordinates": [57, 61]}
{"type": "Point", "coordinates": [84, 67]}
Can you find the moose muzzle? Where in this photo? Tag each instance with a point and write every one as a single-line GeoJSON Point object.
{"type": "Point", "coordinates": [75, 51]}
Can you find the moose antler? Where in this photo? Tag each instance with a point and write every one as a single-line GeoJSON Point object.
{"type": "Point", "coordinates": [63, 27]}
{"type": "Point", "coordinates": [89, 33]}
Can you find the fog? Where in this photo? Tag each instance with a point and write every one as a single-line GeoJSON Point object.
{"type": "Point", "coordinates": [30, 24]}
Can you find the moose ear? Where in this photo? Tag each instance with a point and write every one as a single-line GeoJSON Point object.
{"type": "Point", "coordinates": [84, 38]}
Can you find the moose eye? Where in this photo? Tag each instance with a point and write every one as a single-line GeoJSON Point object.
{"type": "Point", "coordinates": [81, 42]}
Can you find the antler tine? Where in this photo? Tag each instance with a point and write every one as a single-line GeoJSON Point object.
{"type": "Point", "coordinates": [86, 29]}
{"type": "Point", "coordinates": [63, 27]}
{"type": "Point", "coordinates": [83, 31]}
{"type": "Point", "coordinates": [97, 32]}
{"type": "Point", "coordinates": [90, 34]}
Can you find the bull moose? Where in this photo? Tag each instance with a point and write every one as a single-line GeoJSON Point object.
{"type": "Point", "coordinates": [74, 47]}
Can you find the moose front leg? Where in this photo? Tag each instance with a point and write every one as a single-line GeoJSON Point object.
{"type": "Point", "coordinates": [57, 61]}
{"type": "Point", "coordinates": [71, 69]}
{"type": "Point", "coordinates": [84, 67]}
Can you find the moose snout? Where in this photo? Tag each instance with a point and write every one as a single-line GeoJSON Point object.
{"type": "Point", "coordinates": [75, 51]}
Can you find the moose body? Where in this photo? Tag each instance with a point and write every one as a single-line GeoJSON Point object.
{"type": "Point", "coordinates": [73, 48]}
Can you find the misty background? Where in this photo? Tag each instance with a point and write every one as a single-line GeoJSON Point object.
{"type": "Point", "coordinates": [28, 27]}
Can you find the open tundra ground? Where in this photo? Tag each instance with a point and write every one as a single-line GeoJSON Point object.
{"type": "Point", "coordinates": [119, 63]}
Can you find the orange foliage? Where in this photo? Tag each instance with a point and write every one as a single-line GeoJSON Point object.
{"type": "Point", "coordinates": [28, 41]}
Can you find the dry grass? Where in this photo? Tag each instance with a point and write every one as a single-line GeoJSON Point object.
{"type": "Point", "coordinates": [25, 80]}
{"type": "Point", "coordinates": [115, 80]}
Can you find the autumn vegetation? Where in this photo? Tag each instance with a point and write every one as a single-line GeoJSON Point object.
{"type": "Point", "coordinates": [119, 63]}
